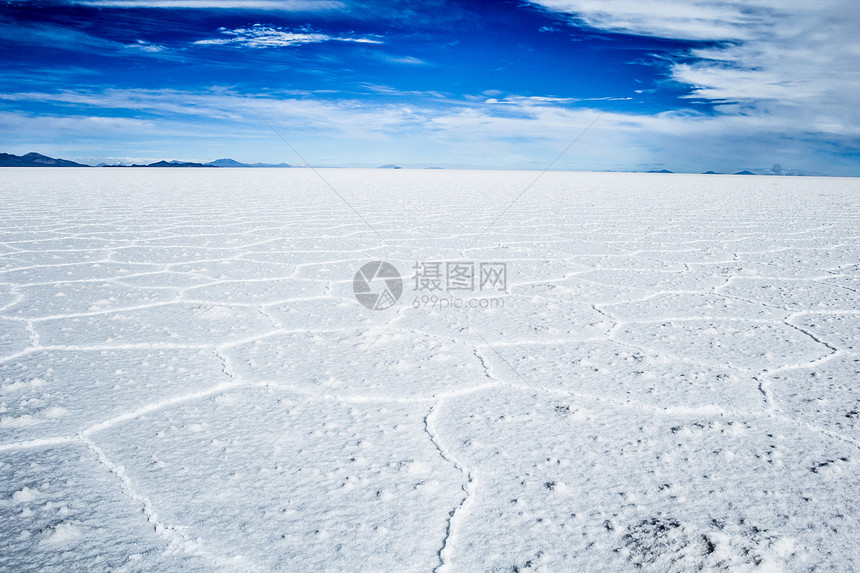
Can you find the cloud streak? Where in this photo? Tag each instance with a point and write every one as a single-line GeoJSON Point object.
{"type": "Point", "coordinates": [274, 5]}
{"type": "Point", "coordinates": [260, 36]}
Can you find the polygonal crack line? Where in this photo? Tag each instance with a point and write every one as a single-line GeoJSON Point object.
{"type": "Point", "coordinates": [175, 536]}
{"type": "Point", "coordinates": [126, 416]}
{"type": "Point", "coordinates": [468, 489]}
{"type": "Point", "coordinates": [18, 297]}
{"type": "Point", "coordinates": [815, 338]}
{"type": "Point", "coordinates": [823, 281]}
{"type": "Point", "coordinates": [765, 377]}
{"type": "Point", "coordinates": [499, 380]}
{"type": "Point", "coordinates": [750, 301]}
{"type": "Point", "coordinates": [764, 382]}
{"type": "Point", "coordinates": [485, 366]}
{"type": "Point", "coordinates": [226, 364]}
{"type": "Point", "coordinates": [674, 357]}
{"type": "Point", "coordinates": [131, 308]}
{"type": "Point", "coordinates": [261, 308]}
{"type": "Point", "coordinates": [33, 335]}
{"type": "Point", "coordinates": [616, 322]}
{"type": "Point", "coordinates": [646, 297]}
{"type": "Point", "coordinates": [818, 430]}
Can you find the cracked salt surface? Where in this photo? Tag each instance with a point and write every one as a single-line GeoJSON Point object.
{"type": "Point", "coordinates": [188, 384]}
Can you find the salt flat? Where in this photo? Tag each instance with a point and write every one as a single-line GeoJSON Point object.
{"type": "Point", "coordinates": [188, 382]}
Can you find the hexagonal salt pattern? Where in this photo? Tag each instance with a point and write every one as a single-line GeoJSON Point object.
{"type": "Point", "coordinates": [667, 382]}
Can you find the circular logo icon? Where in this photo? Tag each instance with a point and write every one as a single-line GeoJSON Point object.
{"type": "Point", "coordinates": [377, 285]}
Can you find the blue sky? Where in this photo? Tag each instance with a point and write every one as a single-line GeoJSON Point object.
{"type": "Point", "coordinates": [689, 85]}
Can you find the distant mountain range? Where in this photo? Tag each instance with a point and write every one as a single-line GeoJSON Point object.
{"type": "Point", "coordinates": [216, 163]}
{"type": "Point", "coordinates": [39, 160]}
{"type": "Point", "coordinates": [35, 160]}
{"type": "Point", "coordinates": [232, 163]}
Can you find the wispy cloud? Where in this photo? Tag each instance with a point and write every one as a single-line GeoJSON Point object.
{"type": "Point", "coordinates": [525, 132]}
{"type": "Point", "coordinates": [279, 5]}
{"type": "Point", "coordinates": [406, 60]}
{"type": "Point", "coordinates": [39, 35]}
{"type": "Point", "coordinates": [147, 47]}
{"type": "Point", "coordinates": [260, 36]}
{"type": "Point", "coordinates": [434, 13]}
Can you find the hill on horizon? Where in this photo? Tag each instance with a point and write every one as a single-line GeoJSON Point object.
{"type": "Point", "coordinates": [35, 160]}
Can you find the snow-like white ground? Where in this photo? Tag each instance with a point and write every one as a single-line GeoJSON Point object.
{"type": "Point", "coordinates": [187, 382]}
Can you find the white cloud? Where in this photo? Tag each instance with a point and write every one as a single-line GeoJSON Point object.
{"type": "Point", "coordinates": [781, 61]}
{"type": "Point", "coordinates": [147, 47]}
{"type": "Point", "coordinates": [684, 19]}
{"type": "Point", "coordinates": [260, 36]}
{"type": "Point", "coordinates": [407, 60]}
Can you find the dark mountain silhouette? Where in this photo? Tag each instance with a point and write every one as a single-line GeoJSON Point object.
{"type": "Point", "coordinates": [233, 163]}
{"type": "Point", "coordinates": [389, 166]}
{"type": "Point", "coordinates": [216, 163]}
{"type": "Point", "coordinates": [660, 171]}
{"type": "Point", "coordinates": [226, 163]}
{"type": "Point", "coordinates": [35, 160]}
{"type": "Point", "coordinates": [39, 160]}
{"type": "Point", "coordinates": [744, 172]}
{"type": "Point", "coordinates": [173, 164]}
